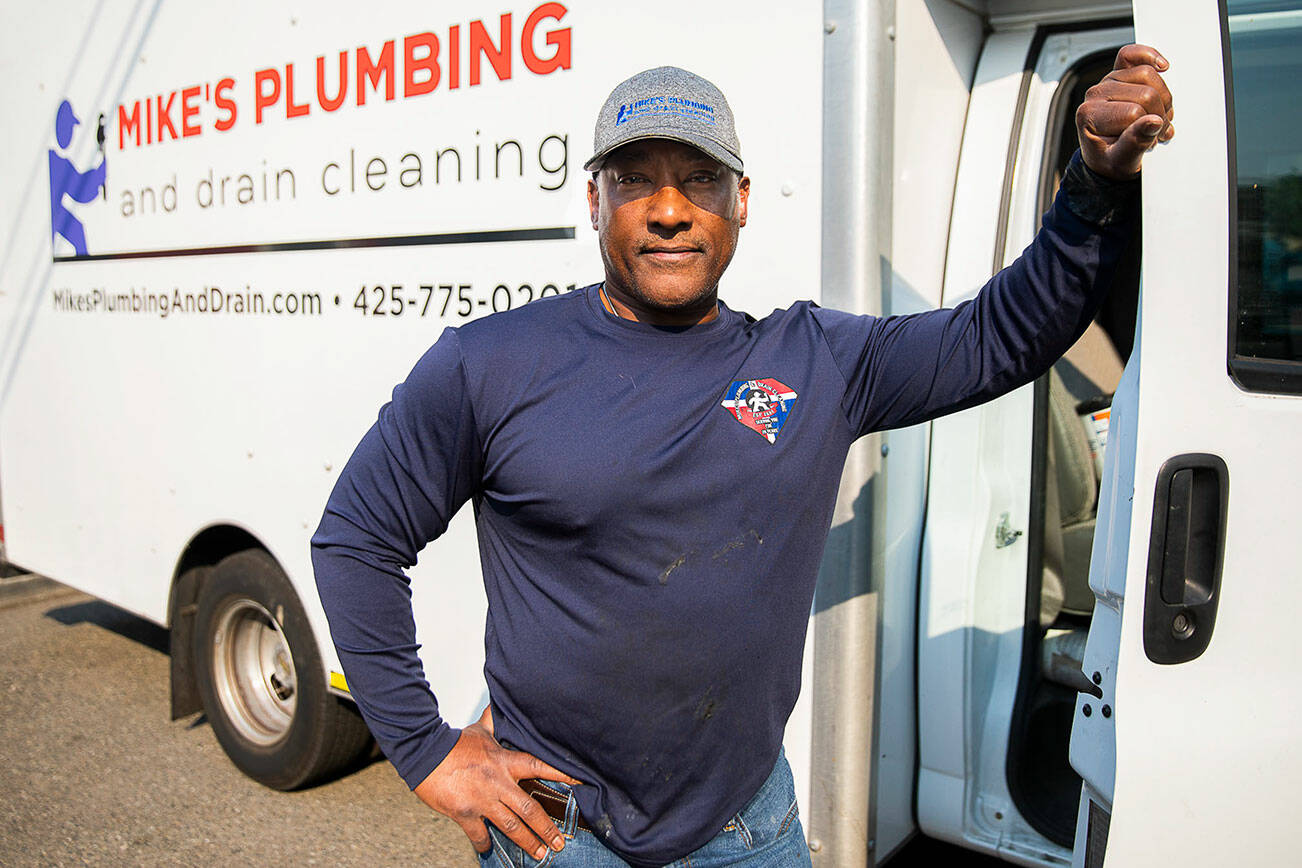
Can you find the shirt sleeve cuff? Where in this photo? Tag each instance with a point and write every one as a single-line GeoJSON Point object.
{"type": "Point", "coordinates": [1096, 199]}
{"type": "Point", "coordinates": [429, 755]}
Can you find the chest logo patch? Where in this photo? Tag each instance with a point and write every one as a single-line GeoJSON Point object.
{"type": "Point", "coordinates": [760, 405]}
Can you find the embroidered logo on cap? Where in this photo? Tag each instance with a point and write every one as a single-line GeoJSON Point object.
{"type": "Point", "coordinates": [665, 105]}
{"type": "Point", "coordinates": [760, 405]}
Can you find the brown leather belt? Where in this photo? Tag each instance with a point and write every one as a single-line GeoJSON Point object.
{"type": "Point", "coordinates": [552, 802]}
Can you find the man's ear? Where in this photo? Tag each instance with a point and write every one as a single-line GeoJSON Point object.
{"type": "Point", "coordinates": [743, 198]}
{"type": "Point", "coordinates": [594, 201]}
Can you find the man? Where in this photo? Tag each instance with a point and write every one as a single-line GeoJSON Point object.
{"type": "Point", "coordinates": [648, 601]}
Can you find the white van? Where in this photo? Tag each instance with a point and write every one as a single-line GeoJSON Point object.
{"type": "Point", "coordinates": [265, 215]}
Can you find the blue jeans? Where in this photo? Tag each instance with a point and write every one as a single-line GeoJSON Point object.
{"type": "Point", "coordinates": [764, 834]}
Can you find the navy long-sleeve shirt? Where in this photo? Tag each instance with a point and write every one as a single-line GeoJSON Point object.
{"type": "Point", "coordinates": [651, 507]}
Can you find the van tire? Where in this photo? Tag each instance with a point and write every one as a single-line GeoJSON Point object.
{"type": "Point", "coordinates": [261, 680]}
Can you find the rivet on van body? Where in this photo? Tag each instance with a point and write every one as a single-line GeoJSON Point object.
{"type": "Point", "coordinates": [828, 27]}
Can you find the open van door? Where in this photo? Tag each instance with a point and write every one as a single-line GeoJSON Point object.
{"type": "Point", "coordinates": [1187, 740]}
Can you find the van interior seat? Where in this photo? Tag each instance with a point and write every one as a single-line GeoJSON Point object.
{"type": "Point", "coordinates": [1091, 369]}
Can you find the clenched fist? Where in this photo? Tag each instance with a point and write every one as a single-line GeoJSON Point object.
{"type": "Point", "coordinates": [1126, 114]}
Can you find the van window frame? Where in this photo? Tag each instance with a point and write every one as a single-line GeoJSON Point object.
{"type": "Point", "coordinates": [1250, 373]}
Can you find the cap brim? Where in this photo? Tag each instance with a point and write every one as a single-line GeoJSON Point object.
{"type": "Point", "coordinates": [706, 146]}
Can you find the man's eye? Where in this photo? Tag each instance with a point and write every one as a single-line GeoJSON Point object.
{"type": "Point", "coordinates": [702, 178]}
{"type": "Point", "coordinates": [631, 179]}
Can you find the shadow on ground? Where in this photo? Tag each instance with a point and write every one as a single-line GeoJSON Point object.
{"type": "Point", "coordinates": [924, 852]}
{"type": "Point", "coordinates": [112, 618]}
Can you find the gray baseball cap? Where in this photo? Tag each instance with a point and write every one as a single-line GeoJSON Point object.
{"type": "Point", "coordinates": [666, 103]}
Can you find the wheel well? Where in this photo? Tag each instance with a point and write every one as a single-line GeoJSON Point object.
{"type": "Point", "coordinates": [202, 553]}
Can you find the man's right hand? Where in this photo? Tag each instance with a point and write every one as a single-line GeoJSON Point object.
{"type": "Point", "coordinates": [479, 780]}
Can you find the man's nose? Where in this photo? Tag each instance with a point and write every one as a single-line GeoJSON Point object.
{"type": "Point", "coordinates": [669, 209]}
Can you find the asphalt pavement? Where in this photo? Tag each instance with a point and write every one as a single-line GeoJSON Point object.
{"type": "Point", "coordinates": [92, 771]}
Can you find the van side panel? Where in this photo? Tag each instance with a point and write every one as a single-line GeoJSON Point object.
{"type": "Point", "coordinates": [297, 202]}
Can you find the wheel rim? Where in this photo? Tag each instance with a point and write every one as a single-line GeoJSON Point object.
{"type": "Point", "coordinates": [253, 671]}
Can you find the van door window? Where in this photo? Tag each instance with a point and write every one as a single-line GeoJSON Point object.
{"type": "Point", "coordinates": [1265, 49]}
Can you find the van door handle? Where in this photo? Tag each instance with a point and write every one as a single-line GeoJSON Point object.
{"type": "Point", "coordinates": [1186, 552]}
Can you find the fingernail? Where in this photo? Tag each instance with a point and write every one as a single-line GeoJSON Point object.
{"type": "Point", "coordinates": [1154, 128]}
{"type": "Point", "coordinates": [558, 843]}
{"type": "Point", "coordinates": [1162, 62]}
{"type": "Point", "coordinates": [540, 853]}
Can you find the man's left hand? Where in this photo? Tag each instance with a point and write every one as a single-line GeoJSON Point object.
{"type": "Point", "coordinates": [1126, 114]}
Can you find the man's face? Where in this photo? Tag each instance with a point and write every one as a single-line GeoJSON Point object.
{"type": "Point", "coordinates": [667, 217]}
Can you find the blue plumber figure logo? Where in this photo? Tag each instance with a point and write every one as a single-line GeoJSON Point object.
{"type": "Point", "coordinates": [66, 180]}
